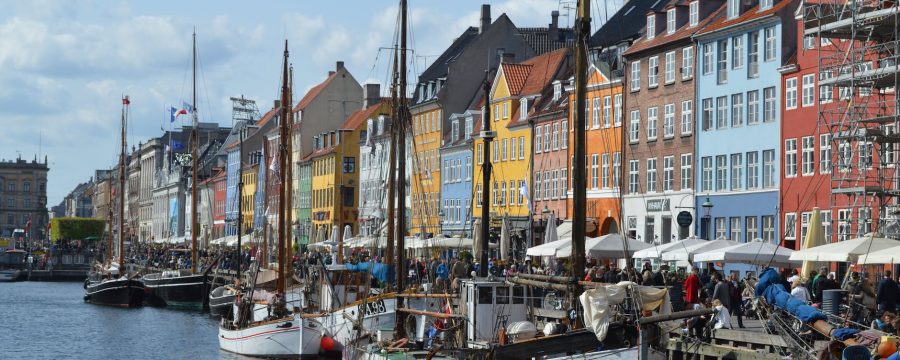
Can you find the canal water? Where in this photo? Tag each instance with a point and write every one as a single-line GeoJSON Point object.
{"type": "Point", "coordinates": [49, 320]}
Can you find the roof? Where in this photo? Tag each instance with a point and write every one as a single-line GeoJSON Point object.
{"type": "Point", "coordinates": [312, 93]}
{"type": "Point", "coordinates": [359, 117]}
{"type": "Point", "coordinates": [748, 15]}
{"type": "Point", "coordinates": [542, 71]}
{"type": "Point", "coordinates": [541, 41]}
{"type": "Point", "coordinates": [627, 23]}
{"type": "Point", "coordinates": [441, 65]}
{"type": "Point", "coordinates": [516, 75]}
{"type": "Point", "coordinates": [259, 124]}
{"type": "Point", "coordinates": [683, 33]}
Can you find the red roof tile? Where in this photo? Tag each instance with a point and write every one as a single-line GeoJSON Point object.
{"type": "Point", "coordinates": [685, 32]}
{"type": "Point", "coordinates": [544, 68]}
{"type": "Point", "coordinates": [516, 75]}
{"type": "Point", "coordinates": [748, 15]}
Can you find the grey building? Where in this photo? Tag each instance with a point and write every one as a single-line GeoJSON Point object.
{"type": "Point", "coordinates": [23, 196]}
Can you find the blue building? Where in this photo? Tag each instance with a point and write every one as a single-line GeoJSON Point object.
{"type": "Point", "coordinates": [456, 178]}
{"type": "Point", "coordinates": [738, 94]}
{"type": "Point", "coordinates": [232, 175]}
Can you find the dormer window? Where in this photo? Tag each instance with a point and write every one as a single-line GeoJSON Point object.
{"type": "Point", "coordinates": [651, 26]}
{"type": "Point", "coordinates": [694, 13]}
{"type": "Point", "coordinates": [469, 127]}
{"type": "Point", "coordinates": [557, 90]}
{"type": "Point", "coordinates": [523, 108]}
{"type": "Point", "coordinates": [670, 21]}
{"type": "Point", "coordinates": [454, 132]}
{"type": "Point", "coordinates": [765, 4]}
{"type": "Point", "coordinates": [734, 8]}
{"type": "Point", "coordinates": [380, 125]}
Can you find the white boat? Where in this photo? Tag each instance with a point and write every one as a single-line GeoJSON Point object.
{"type": "Point", "coordinates": [283, 338]}
{"type": "Point", "coordinates": [341, 324]}
{"type": "Point", "coordinates": [10, 275]}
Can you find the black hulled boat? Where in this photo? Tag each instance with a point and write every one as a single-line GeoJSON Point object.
{"type": "Point", "coordinates": [178, 288]}
{"type": "Point", "coordinates": [121, 292]}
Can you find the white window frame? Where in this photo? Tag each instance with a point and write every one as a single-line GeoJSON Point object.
{"type": "Point", "coordinates": [607, 111]}
{"type": "Point", "coordinates": [753, 166]}
{"type": "Point", "coordinates": [652, 117]}
{"type": "Point", "coordinates": [669, 121]}
{"type": "Point", "coordinates": [595, 168]}
{"type": "Point", "coordinates": [770, 106]}
{"type": "Point", "coordinates": [706, 173]}
{"type": "Point", "coordinates": [790, 226]}
{"type": "Point", "coordinates": [826, 92]}
{"type": "Point", "coordinates": [617, 110]}
{"type": "Point", "coordinates": [808, 155]}
{"type": "Point", "coordinates": [825, 154]}
{"type": "Point", "coordinates": [670, 21]}
{"type": "Point", "coordinates": [634, 132]}
{"type": "Point", "coordinates": [651, 175]}
{"type": "Point", "coordinates": [721, 172]}
{"type": "Point", "coordinates": [651, 26]}
{"type": "Point", "coordinates": [687, 62]}
{"type": "Point", "coordinates": [538, 139]}
{"type": "Point", "coordinates": [809, 92]}
{"type": "Point", "coordinates": [737, 110]}
{"type": "Point", "coordinates": [790, 93]}
{"type": "Point", "coordinates": [686, 171]}
{"type": "Point", "coordinates": [634, 177]}
{"type": "Point", "coordinates": [687, 117]}
{"type": "Point", "coordinates": [790, 158]}
{"type": "Point", "coordinates": [721, 112]}
{"type": "Point", "coordinates": [737, 52]}
{"type": "Point", "coordinates": [708, 58]}
{"type": "Point", "coordinates": [694, 13]}
{"type": "Point", "coordinates": [668, 173]}
{"type": "Point", "coordinates": [653, 72]}
{"type": "Point", "coordinates": [604, 171]}
{"type": "Point", "coordinates": [769, 174]}
{"type": "Point", "coordinates": [753, 54]}
{"type": "Point", "coordinates": [707, 112]}
{"type": "Point", "coordinates": [771, 46]}
{"type": "Point", "coordinates": [734, 8]}
{"type": "Point", "coordinates": [595, 112]}
{"type": "Point", "coordinates": [635, 75]}
{"type": "Point", "coordinates": [670, 67]}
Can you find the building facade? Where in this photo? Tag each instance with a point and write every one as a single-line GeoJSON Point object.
{"type": "Point", "coordinates": [23, 197]}
{"type": "Point", "coordinates": [456, 188]}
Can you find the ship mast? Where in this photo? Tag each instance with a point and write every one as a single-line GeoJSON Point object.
{"type": "Point", "coordinates": [487, 136]}
{"type": "Point", "coordinates": [579, 203]}
{"type": "Point", "coordinates": [125, 103]}
{"type": "Point", "coordinates": [392, 169]}
{"type": "Point", "coordinates": [282, 160]}
{"type": "Point", "coordinates": [194, 145]}
{"type": "Point", "coordinates": [402, 117]}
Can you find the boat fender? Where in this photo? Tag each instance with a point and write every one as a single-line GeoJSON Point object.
{"type": "Point", "coordinates": [327, 343]}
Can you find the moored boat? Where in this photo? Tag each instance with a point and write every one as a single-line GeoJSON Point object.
{"type": "Point", "coordinates": [10, 275]}
{"type": "Point", "coordinates": [221, 300]}
{"type": "Point", "coordinates": [290, 337]}
{"type": "Point", "coordinates": [178, 288]}
{"type": "Point", "coordinates": [121, 292]}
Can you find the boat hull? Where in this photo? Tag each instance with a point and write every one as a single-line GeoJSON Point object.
{"type": "Point", "coordinates": [10, 275]}
{"type": "Point", "coordinates": [291, 338]}
{"type": "Point", "coordinates": [125, 293]}
{"type": "Point", "coordinates": [185, 291]}
{"type": "Point", "coordinates": [341, 324]}
{"type": "Point", "coordinates": [221, 301]}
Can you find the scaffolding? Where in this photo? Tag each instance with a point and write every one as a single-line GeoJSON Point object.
{"type": "Point", "coordinates": [243, 110]}
{"type": "Point", "coordinates": [857, 43]}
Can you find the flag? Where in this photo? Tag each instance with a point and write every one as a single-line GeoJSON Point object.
{"type": "Point", "coordinates": [175, 112]}
{"type": "Point", "coordinates": [188, 108]}
{"type": "Point", "coordinates": [523, 190]}
{"type": "Point", "coordinates": [125, 101]}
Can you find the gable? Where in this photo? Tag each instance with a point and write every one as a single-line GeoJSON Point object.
{"type": "Point", "coordinates": [500, 89]}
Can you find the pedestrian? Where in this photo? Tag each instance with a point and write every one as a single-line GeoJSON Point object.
{"type": "Point", "coordinates": [887, 293]}
{"type": "Point", "coordinates": [799, 292]}
{"type": "Point", "coordinates": [692, 287]}
{"type": "Point", "coordinates": [722, 293]}
{"type": "Point", "coordinates": [817, 282]}
{"type": "Point", "coordinates": [736, 299]}
{"type": "Point", "coordinates": [795, 275]}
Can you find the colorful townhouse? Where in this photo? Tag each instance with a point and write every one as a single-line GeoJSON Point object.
{"type": "Point", "coordinates": [738, 118]}
{"type": "Point", "coordinates": [374, 171]}
{"type": "Point", "coordinates": [550, 160]}
{"type": "Point", "coordinates": [456, 190]}
{"type": "Point", "coordinates": [335, 173]}
{"type": "Point", "coordinates": [515, 88]}
{"type": "Point", "coordinates": [659, 135]}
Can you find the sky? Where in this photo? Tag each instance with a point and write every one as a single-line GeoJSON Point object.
{"type": "Point", "coordinates": [65, 64]}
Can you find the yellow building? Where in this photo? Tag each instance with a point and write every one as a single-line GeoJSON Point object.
{"type": "Point", "coordinates": [249, 174]}
{"type": "Point", "coordinates": [335, 174]}
{"type": "Point", "coordinates": [425, 179]}
{"type": "Point", "coordinates": [514, 91]}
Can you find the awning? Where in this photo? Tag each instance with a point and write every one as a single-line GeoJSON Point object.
{"type": "Point", "coordinates": [655, 251]}
{"type": "Point", "coordinates": [757, 252]}
{"type": "Point", "coordinates": [846, 251]}
{"type": "Point", "coordinates": [687, 253]}
{"type": "Point", "coordinates": [886, 256]}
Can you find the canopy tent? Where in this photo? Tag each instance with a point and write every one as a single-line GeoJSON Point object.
{"type": "Point", "coordinates": [365, 242]}
{"type": "Point", "coordinates": [606, 246]}
{"type": "Point", "coordinates": [815, 236]}
{"type": "Point", "coordinates": [564, 229]}
{"type": "Point", "coordinates": [245, 239]}
{"type": "Point", "coordinates": [548, 249]}
{"type": "Point", "coordinates": [504, 239]}
{"type": "Point", "coordinates": [687, 253]}
{"type": "Point", "coordinates": [324, 245]}
{"type": "Point", "coordinates": [757, 252]}
{"type": "Point", "coordinates": [655, 251]}
{"type": "Point", "coordinates": [170, 240]}
{"type": "Point", "coordinates": [846, 251]}
{"type": "Point", "coordinates": [890, 255]}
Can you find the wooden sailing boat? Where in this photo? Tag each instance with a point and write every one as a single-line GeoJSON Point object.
{"type": "Point", "coordinates": [111, 285]}
{"type": "Point", "coordinates": [283, 333]}
{"type": "Point", "coordinates": [185, 288]}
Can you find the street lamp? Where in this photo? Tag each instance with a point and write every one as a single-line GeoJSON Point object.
{"type": "Point", "coordinates": [707, 208]}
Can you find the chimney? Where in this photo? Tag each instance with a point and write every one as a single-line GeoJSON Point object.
{"type": "Point", "coordinates": [507, 58]}
{"type": "Point", "coordinates": [330, 72]}
{"type": "Point", "coordinates": [371, 95]}
{"type": "Point", "coordinates": [485, 18]}
{"type": "Point", "coordinates": [340, 65]}
{"type": "Point", "coordinates": [554, 25]}
{"type": "Point", "coordinates": [276, 104]}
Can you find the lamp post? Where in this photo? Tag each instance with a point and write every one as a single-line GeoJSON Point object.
{"type": "Point", "coordinates": [707, 208]}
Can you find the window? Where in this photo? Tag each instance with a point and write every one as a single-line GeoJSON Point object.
{"type": "Point", "coordinates": [505, 147]}
{"type": "Point", "coordinates": [607, 111]}
{"type": "Point", "coordinates": [826, 93]}
{"type": "Point", "coordinates": [889, 148]}
{"type": "Point", "coordinates": [538, 139]}
{"type": "Point", "coordinates": [735, 229]}
{"type": "Point", "coordinates": [752, 228]}
{"type": "Point", "coordinates": [686, 171]}
{"type": "Point", "coordinates": [768, 168]}
{"type": "Point", "coordinates": [734, 8]}
{"type": "Point", "coordinates": [496, 150]}
{"type": "Point", "coordinates": [707, 58]}
{"type": "Point", "coordinates": [843, 229]}
{"type": "Point", "coordinates": [502, 194]}
{"type": "Point", "coordinates": [790, 225]}
{"type": "Point", "coordinates": [617, 110]}
{"type": "Point", "coordinates": [651, 123]}
{"type": "Point", "coordinates": [653, 72]}
{"type": "Point", "coordinates": [765, 4]}
{"type": "Point", "coordinates": [651, 175]}
{"type": "Point", "coordinates": [807, 160]}
{"type": "Point", "coordinates": [635, 126]}
{"type": "Point", "coordinates": [770, 43]}
{"type": "Point", "coordinates": [617, 169]}
{"type": "Point", "coordinates": [651, 26]}
{"type": "Point", "coordinates": [722, 67]}
{"type": "Point", "coordinates": [479, 154]}
{"type": "Point", "coordinates": [737, 171]}
{"type": "Point", "coordinates": [825, 153]}
{"type": "Point", "coordinates": [790, 157]}
{"type": "Point", "coordinates": [769, 108]}
{"type": "Point", "coordinates": [826, 224]}
{"type": "Point", "coordinates": [752, 170]}
{"type": "Point", "coordinates": [753, 107]}
{"type": "Point", "coordinates": [753, 54]}
{"type": "Point", "coordinates": [707, 114]}
{"type": "Point", "coordinates": [669, 121]}
{"type": "Point", "coordinates": [468, 168]}
{"type": "Point", "coordinates": [547, 137]}
{"type": "Point", "coordinates": [721, 173]}
{"type": "Point", "coordinates": [687, 124]}
{"type": "Point", "coordinates": [506, 110]}
{"type": "Point", "coordinates": [768, 225]}
{"type": "Point", "coordinates": [633, 177]}
{"type": "Point", "coordinates": [706, 175]}
{"type": "Point", "coordinates": [635, 75]}
{"type": "Point", "coordinates": [865, 153]}
{"type": "Point", "coordinates": [668, 173]}
{"type": "Point", "coordinates": [737, 110]}
{"type": "Point", "coordinates": [512, 147]}
{"type": "Point", "coordinates": [670, 21]}
{"type": "Point", "coordinates": [554, 176]}
{"type": "Point", "coordinates": [522, 142]}
{"type": "Point", "coordinates": [721, 227]}
{"type": "Point", "coordinates": [694, 13]}
{"type": "Point", "coordinates": [804, 224]}
{"type": "Point", "coordinates": [604, 171]}
{"type": "Point", "coordinates": [737, 52]}
{"type": "Point", "coordinates": [809, 85]}
{"type": "Point", "coordinates": [564, 182]}
{"type": "Point", "coordinates": [845, 155]}
{"type": "Point", "coordinates": [721, 112]}
{"type": "Point", "coordinates": [595, 112]}
{"type": "Point", "coordinates": [670, 67]}
{"type": "Point", "coordinates": [790, 93]}
{"type": "Point", "coordinates": [594, 171]}
{"type": "Point", "coordinates": [687, 61]}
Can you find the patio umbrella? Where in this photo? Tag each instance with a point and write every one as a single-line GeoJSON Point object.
{"type": "Point", "coordinates": [847, 251]}
{"type": "Point", "coordinates": [609, 246]}
{"type": "Point", "coordinates": [504, 239]}
{"type": "Point", "coordinates": [476, 245]}
{"type": "Point", "coordinates": [655, 251]}
{"type": "Point", "coordinates": [334, 234]}
{"type": "Point", "coordinates": [887, 256]}
{"type": "Point", "coordinates": [549, 248]}
{"type": "Point", "coordinates": [551, 232]}
{"type": "Point", "coordinates": [348, 232]}
{"type": "Point", "coordinates": [320, 235]}
{"type": "Point", "coordinates": [687, 253]}
{"type": "Point", "coordinates": [815, 236]}
{"type": "Point", "coordinates": [757, 252]}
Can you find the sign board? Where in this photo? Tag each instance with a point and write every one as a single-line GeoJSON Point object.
{"type": "Point", "coordinates": [684, 219]}
{"type": "Point", "coordinates": [658, 205]}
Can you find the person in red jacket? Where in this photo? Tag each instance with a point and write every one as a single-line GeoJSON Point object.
{"type": "Point", "coordinates": [692, 287]}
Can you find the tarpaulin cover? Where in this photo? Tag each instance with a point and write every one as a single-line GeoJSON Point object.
{"type": "Point", "coordinates": [597, 301]}
{"type": "Point", "coordinates": [770, 287]}
{"type": "Point", "coordinates": [378, 270]}
{"type": "Point", "coordinates": [844, 334]}
{"type": "Point", "coordinates": [768, 277]}
{"type": "Point", "coordinates": [896, 356]}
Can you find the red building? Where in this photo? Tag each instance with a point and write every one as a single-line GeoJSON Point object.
{"type": "Point", "coordinates": [217, 181]}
